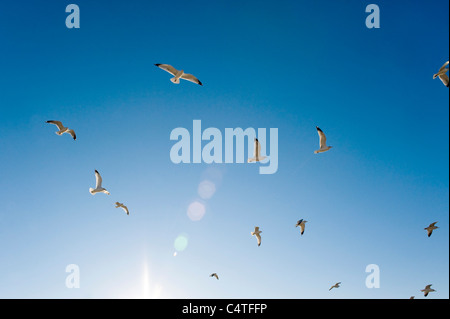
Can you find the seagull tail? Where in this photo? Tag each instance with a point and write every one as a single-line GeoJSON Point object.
{"type": "Point", "coordinates": [175, 80]}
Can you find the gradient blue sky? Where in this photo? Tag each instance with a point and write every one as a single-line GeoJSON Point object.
{"type": "Point", "coordinates": [289, 65]}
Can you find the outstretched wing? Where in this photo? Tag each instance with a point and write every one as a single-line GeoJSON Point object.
{"type": "Point", "coordinates": [57, 123]}
{"type": "Point", "coordinates": [443, 67]}
{"type": "Point", "coordinates": [322, 138]}
{"type": "Point", "coordinates": [444, 79]}
{"type": "Point", "coordinates": [98, 179]}
{"type": "Point", "coordinates": [191, 78]}
{"type": "Point", "coordinates": [72, 132]}
{"type": "Point", "coordinates": [167, 68]}
{"type": "Point", "coordinates": [257, 149]}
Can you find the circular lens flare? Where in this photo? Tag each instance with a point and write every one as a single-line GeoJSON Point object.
{"type": "Point", "coordinates": [196, 211]}
{"type": "Point", "coordinates": [206, 189]}
{"type": "Point", "coordinates": [180, 244]}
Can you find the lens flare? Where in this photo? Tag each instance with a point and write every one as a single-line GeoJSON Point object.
{"type": "Point", "coordinates": [180, 244]}
{"type": "Point", "coordinates": [196, 211]}
{"type": "Point", "coordinates": [206, 189]}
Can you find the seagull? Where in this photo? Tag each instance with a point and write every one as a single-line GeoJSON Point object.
{"type": "Point", "coordinates": [63, 129]}
{"type": "Point", "coordinates": [301, 223]}
{"type": "Point", "coordinates": [125, 208]}
{"type": "Point", "coordinates": [257, 153]}
{"type": "Point", "coordinates": [98, 185]}
{"type": "Point", "coordinates": [214, 275]}
{"type": "Point", "coordinates": [427, 290]}
{"type": "Point", "coordinates": [430, 228]}
{"type": "Point", "coordinates": [257, 233]}
{"type": "Point", "coordinates": [412, 297]}
{"type": "Point", "coordinates": [178, 74]}
{"type": "Point", "coordinates": [323, 142]}
{"type": "Point", "coordinates": [335, 286]}
{"type": "Point", "coordinates": [442, 74]}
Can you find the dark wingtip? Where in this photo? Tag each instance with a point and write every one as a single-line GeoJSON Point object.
{"type": "Point", "coordinates": [318, 128]}
{"type": "Point", "coordinates": [200, 83]}
{"type": "Point", "coordinates": [97, 172]}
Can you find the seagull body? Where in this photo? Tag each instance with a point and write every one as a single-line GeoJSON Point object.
{"type": "Point", "coordinates": [257, 233]}
{"type": "Point", "coordinates": [323, 142]}
{"type": "Point", "coordinates": [442, 74]}
{"type": "Point", "coordinates": [257, 153]}
{"type": "Point", "coordinates": [98, 185]}
{"type": "Point", "coordinates": [125, 208]}
{"type": "Point", "coordinates": [427, 290]}
{"type": "Point", "coordinates": [214, 275]}
{"type": "Point", "coordinates": [430, 228]}
{"type": "Point", "coordinates": [301, 224]}
{"type": "Point", "coordinates": [178, 74]}
{"type": "Point", "coordinates": [63, 129]}
{"type": "Point", "coordinates": [335, 286]}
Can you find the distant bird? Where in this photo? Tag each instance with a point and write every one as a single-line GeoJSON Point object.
{"type": "Point", "coordinates": [323, 142]}
{"type": "Point", "coordinates": [301, 223]}
{"type": "Point", "coordinates": [63, 129]}
{"type": "Point", "coordinates": [412, 297]}
{"type": "Point", "coordinates": [178, 74]}
{"type": "Point", "coordinates": [427, 290]}
{"type": "Point", "coordinates": [257, 233]}
{"type": "Point", "coordinates": [214, 275]}
{"type": "Point", "coordinates": [257, 153]}
{"type": "Point", "coordinates": [98, 185]}
{"type": "Point", "coordinates": [125, 208]}
{"type": "Point", "coordinates": [442, 74]}
{"type": "Point", "coordinates": [335, 286]}
{"type": "Point", "coordinates": [430, 228]}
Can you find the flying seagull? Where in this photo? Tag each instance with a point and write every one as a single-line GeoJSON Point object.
{"type": "Point", "coordinates": [63, 129]}
{"type": "Point", "coordinates": [442, 74]}
{"type": "Point", "coordinates": [178, 74]}
{"type": "Point", "coordinates": [257, 233]}
{"type": "Point", "coordinates": [323, 142]}
{"type": "Point", "coordinates": [335, 286]}
{"type": "Point", "coordinates": [430, 228]}
{"type": "Point", "coordinates": [301, 223]}
{"type": "Point", "coordinates": [98, 185]}
{"type": "Point", "coordinates": [125, 208]}
{"type": "Point", "coordinates": [257, 153]}
{"type": "Point", "coordinates": [214, 275]}
{"type": "Point", "coordinates": [427, 290]}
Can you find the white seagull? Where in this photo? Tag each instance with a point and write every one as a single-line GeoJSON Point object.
{"type": "Point", "coordinates": [214, 275]}
{"type": "Point", "coordinates": [427, 290]}
{"type": "Point", "coordinates": [257, 153]}
{"type": "Point", "coordinates": [178, 74]}
{"type": "Point", "coordinates": [63, 129]}
{"type": "Point", "coordinates": [442, 74]}
{"type": "Point", "coordinates": [301, 223]}
{"type": "Point", "coordinates": [125, 208]}
{"type": "Point", "coordinates": [430, 228]}
{"type": "Point", "coordinates": [323, 142]}
{"type": "Point", "coordinates": [98, 185]}
{"type": "Point", "coordinates": [257, 233]}
{"type": "Point", "coordinates": [335, 286]}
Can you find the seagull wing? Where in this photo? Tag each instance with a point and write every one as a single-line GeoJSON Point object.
{"type": "Point", "coordinates": [302, 227]}
{"type": "Point", "coordinates": [428, 287]}
{"type": "Point", "coordinates": [444, 79]}
{"type": "Point", "coordinates": [125, 208]}
{"type": "Point", "coordinates": [443, 67]}
{"type": "Point", "coordinates": [191, 78]}
{"type": "Point", "coordinates": [98, 179]}
{"type": "Point", "coordinates": [72, 132]}
{"type": "Point", "coordinates": [323, 138]}
{"type": "Point", "coordinates": [167, 68]}
{"type": "Point", "coordinates": [258, 236]}
{"type": "Point", "coordinates": [257, 149]}
{"type": "Point", "coordinates": [432, 224]}
{"type": "Point", "coordinates": [57, 123]}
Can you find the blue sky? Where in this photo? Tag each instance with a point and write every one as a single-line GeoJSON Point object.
{"type": "Point", "coordinates": [289, 65]}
